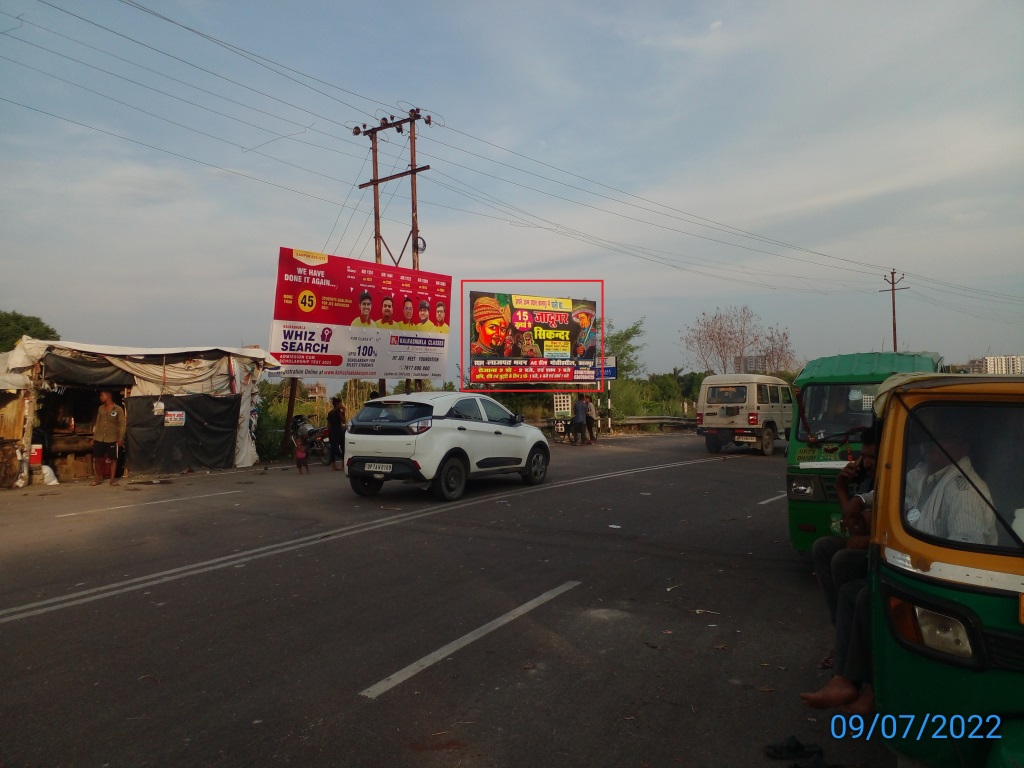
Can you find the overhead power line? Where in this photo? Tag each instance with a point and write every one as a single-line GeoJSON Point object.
{"type": "Point", "coordinates": [692, 217]}
{"type": "Point", "coordinates": [263, 61]}
{"type": "Point", "coordinates": [176, 154]}
{"type": "Point", "coordinates": [625, 199]}
{"type": "Point", "coordinates": [190, 64]}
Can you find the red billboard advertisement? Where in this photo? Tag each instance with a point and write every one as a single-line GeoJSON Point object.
{"type": "Point", "coordinates": [344, 317]}
{"type": "Point", "coordinates": [519, 337]}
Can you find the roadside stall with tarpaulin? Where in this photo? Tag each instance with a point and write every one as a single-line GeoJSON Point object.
{"type": "Point", "coordinates": [187, 407]}
{"type": "Point", "coordinates": [13, 389]}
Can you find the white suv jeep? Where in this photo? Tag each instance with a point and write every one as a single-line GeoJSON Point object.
{"type": "Point", "coordinates": [440, 438]}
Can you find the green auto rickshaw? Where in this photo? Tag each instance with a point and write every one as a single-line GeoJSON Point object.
{"type": "Point", "coordinates": [946, 571]}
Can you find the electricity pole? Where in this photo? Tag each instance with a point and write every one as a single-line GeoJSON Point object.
{"type": "Point", "coordinates": [387, 123]}
{"type": "Point", "coordinates": [891, 280]}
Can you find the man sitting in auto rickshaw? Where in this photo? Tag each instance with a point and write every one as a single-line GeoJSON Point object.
{"type": "Point", "coordinates": [945, 497]}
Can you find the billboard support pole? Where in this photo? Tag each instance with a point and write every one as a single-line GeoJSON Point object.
{"type": "Point", "coordinates": [608, 405]}
{"type": "Point", "coordinates": [288, 419]}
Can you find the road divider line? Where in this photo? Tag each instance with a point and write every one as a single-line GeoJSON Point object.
{"type": "Point", "coordinates": [229, 561]}
{"type": "Point", "coordinates": [416, 667]}
{"type": "Point", "coordinates": [773, 498]}
{"type": "Point", "coordinates": [148, 503]}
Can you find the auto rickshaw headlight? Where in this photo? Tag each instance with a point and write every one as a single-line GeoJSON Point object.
{"type": "Point", "coordinates": [804, 487]}
{"type": "Point", "coordinates": [944, 633]}
{"type": "Point", "coordinates": [930, 629]}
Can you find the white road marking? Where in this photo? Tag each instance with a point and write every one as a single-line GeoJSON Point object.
{"type": "Point", "coordinates": [416, 667]}
{"type": "Point", "coordinates": [230, 561]}
{"type": "Point", "coordinates": [773, 498]}
{"type": "Point", "coordinates": [147, 503]}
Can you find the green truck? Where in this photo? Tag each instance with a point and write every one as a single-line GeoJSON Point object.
{"type": "Point", "coordinates": [834, 396]}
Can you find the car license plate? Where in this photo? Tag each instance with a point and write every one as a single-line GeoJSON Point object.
{"type": "Point", "coordinates": [745, 439]}
{"type": "Point", "coordinates": [372, 467]}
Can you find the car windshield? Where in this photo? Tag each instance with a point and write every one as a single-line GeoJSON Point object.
{"type": "Point", "coordinates": [964, 482]}
{"type": "Point", "coordinates": [730, 395]}
{"type": "Point", "coordinates": [390, 412]}
{"type": "Point", "coordinates": [834, 410]}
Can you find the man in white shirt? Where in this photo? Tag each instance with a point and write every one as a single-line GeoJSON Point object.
{"type": "Point", "coordinates": [945, 497]}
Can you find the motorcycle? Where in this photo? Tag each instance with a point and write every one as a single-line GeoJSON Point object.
{"type": "Point", "coordinates": [314, 438]}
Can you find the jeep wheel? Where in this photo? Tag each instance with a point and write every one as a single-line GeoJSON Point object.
{"type": "Point", "coordinates": [536, 466]}
{"type": "Point", "coordinates": [712, 444]}
{"type": "Point", "coordinates": [767, 442]}
{"type": "Point", "coordinates": [450, 481]}
{"type": "Point", "coordinates": [366, 486]}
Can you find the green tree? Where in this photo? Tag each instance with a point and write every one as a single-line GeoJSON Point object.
{"type": "Point", "coordinates": [14, 325]}
{"type": "Point", "coordinates": [690, 383]}
{"type": "Point", "coordinates": [664, 387]}
{"type": "Point", "coordinates": [625, 345]}
{"type": "Point", "coordinates": [271, 411]}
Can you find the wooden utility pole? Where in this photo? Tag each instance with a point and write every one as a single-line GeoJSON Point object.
{"type": "Point", "coordinates": [891, 280]}
{"type": "Point", "coordinates": [287, 437]}
{"type": "Point", "coordinates": [387, 123]}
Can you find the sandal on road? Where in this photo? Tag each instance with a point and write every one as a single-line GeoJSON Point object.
{"type": "Point", "coordinates": [792, 749]}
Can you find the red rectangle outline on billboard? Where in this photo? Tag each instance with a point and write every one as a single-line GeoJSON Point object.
{"type": "Point", "coordinates": [462, 326]}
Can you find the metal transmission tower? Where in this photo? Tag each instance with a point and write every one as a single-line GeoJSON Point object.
{"type": "Point", "coordinates": [418, 244]}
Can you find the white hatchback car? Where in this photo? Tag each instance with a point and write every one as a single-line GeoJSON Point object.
{"type": "Point", "coordinates": [440, 438]}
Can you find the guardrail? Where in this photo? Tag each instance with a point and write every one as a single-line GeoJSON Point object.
{"type": "Point", "coordinates": [635, 423]}
{"type": "Point", "coordinates": [662, 422]}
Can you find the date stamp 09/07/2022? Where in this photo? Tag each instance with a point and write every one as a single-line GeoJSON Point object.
{"type": "Point", "coordinates": [916, 727]}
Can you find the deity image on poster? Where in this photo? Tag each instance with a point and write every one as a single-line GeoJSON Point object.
{"type": "Point", "coordinates": [491, 319]}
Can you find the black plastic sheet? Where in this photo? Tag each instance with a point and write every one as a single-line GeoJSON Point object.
{"type": "Point", "coordinates": [204, 440]}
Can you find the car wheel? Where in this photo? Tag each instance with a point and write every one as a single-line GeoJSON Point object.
{"type": "Point", "coordinates": [366, 486]}
{"type": "Point", "coordinates": [712, 444]}
{"type": "Point", "coordinates": [767, 442]}
{"type": "Point", "coordinates": [536, 466]}
{"type": "Point", "coordinates": [450, 481]}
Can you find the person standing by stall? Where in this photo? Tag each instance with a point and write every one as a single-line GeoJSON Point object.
{"type": "Point", "coordinates": [336, 420]}
{"type": "Point", "coordinates": [107, 437]}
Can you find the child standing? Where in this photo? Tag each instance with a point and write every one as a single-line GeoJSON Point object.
{"type": "Point", "coordinates": [301, 459]}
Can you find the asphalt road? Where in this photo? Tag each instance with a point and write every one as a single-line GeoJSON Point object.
{"type": "Point", "coordinates": [641, 608]}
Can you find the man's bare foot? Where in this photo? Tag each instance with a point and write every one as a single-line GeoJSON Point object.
{"type": "Point", "coordinates": [863, 704]}
{"type": "Point", "coordinates": [837, 692]}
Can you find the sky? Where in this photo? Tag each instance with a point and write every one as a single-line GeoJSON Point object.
{"type": "Point", "coordinates": [784, 156]}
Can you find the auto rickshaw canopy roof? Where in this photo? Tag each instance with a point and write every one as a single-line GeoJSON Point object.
{"type": "Point", "coordinates": [860, 367]}
{"type": "Point", "coordinates": [953, 383]}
